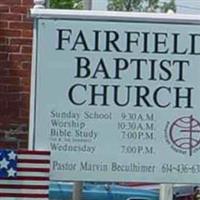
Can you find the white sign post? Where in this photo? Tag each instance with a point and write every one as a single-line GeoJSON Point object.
{"type": "Point", "coordinates": [166, 192]}
{"type": "Point", "coordinates": [117, 95]}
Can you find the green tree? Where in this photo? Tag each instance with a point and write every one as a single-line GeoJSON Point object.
{"type": "Point", "coordinates": [66, 4]}
{"type": "Point", "coordinates": [141, 5]}
{"type": "Point", "coordinates": [169, 6]}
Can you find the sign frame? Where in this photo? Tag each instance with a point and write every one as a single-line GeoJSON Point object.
{"type": "Point", "coordinates": [38, 14]}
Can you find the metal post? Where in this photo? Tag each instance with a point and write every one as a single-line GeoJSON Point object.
{"type": "Point", "coordinates": [166, 192]}
{"type": "Point", "coordinates": [78, 185]}
{"type": "Point", "coordinates": [77, 190]}
{"type": "Point", "coordinates": [47, 4]}
{"type": "Point", "coordinates": [87, 4]}
{"type": "Point", "coordinates": [37, 4]}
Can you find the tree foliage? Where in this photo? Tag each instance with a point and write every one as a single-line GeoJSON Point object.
{"type": "Point", "coordinates": [141, 5]}
{"type": "Point", "coordinates": [66, 4]}
{"type": "Point", "coordinates": [121, 5]}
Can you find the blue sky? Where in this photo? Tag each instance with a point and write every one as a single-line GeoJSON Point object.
{"type": "Point", "coordinates": [188, 6]}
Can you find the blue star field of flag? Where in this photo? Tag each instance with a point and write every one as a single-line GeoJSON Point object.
{"type": "Point", "coordinates": [8, 163]}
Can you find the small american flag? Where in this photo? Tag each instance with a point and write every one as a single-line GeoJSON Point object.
{"type": "Point", "coordinates": [29, 179]}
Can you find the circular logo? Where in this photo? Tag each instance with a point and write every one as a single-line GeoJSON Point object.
{"type": "Point", "coordinates": [184, 133]}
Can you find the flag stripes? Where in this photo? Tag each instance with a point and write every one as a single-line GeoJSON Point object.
{"type": "Point", "coordinates": [32, 180]}
{"type": "Point", "coordinates": [25, 182]}
{"type": "Point", "coordinates": [18, 196]}
{"type": "Point", "coordinates": [26, 169]}
{"type": "Point", "coordinates": [25, 186]}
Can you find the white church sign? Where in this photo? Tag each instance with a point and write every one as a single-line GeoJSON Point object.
{"type": "Point", "coordinates": [116, 97]}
